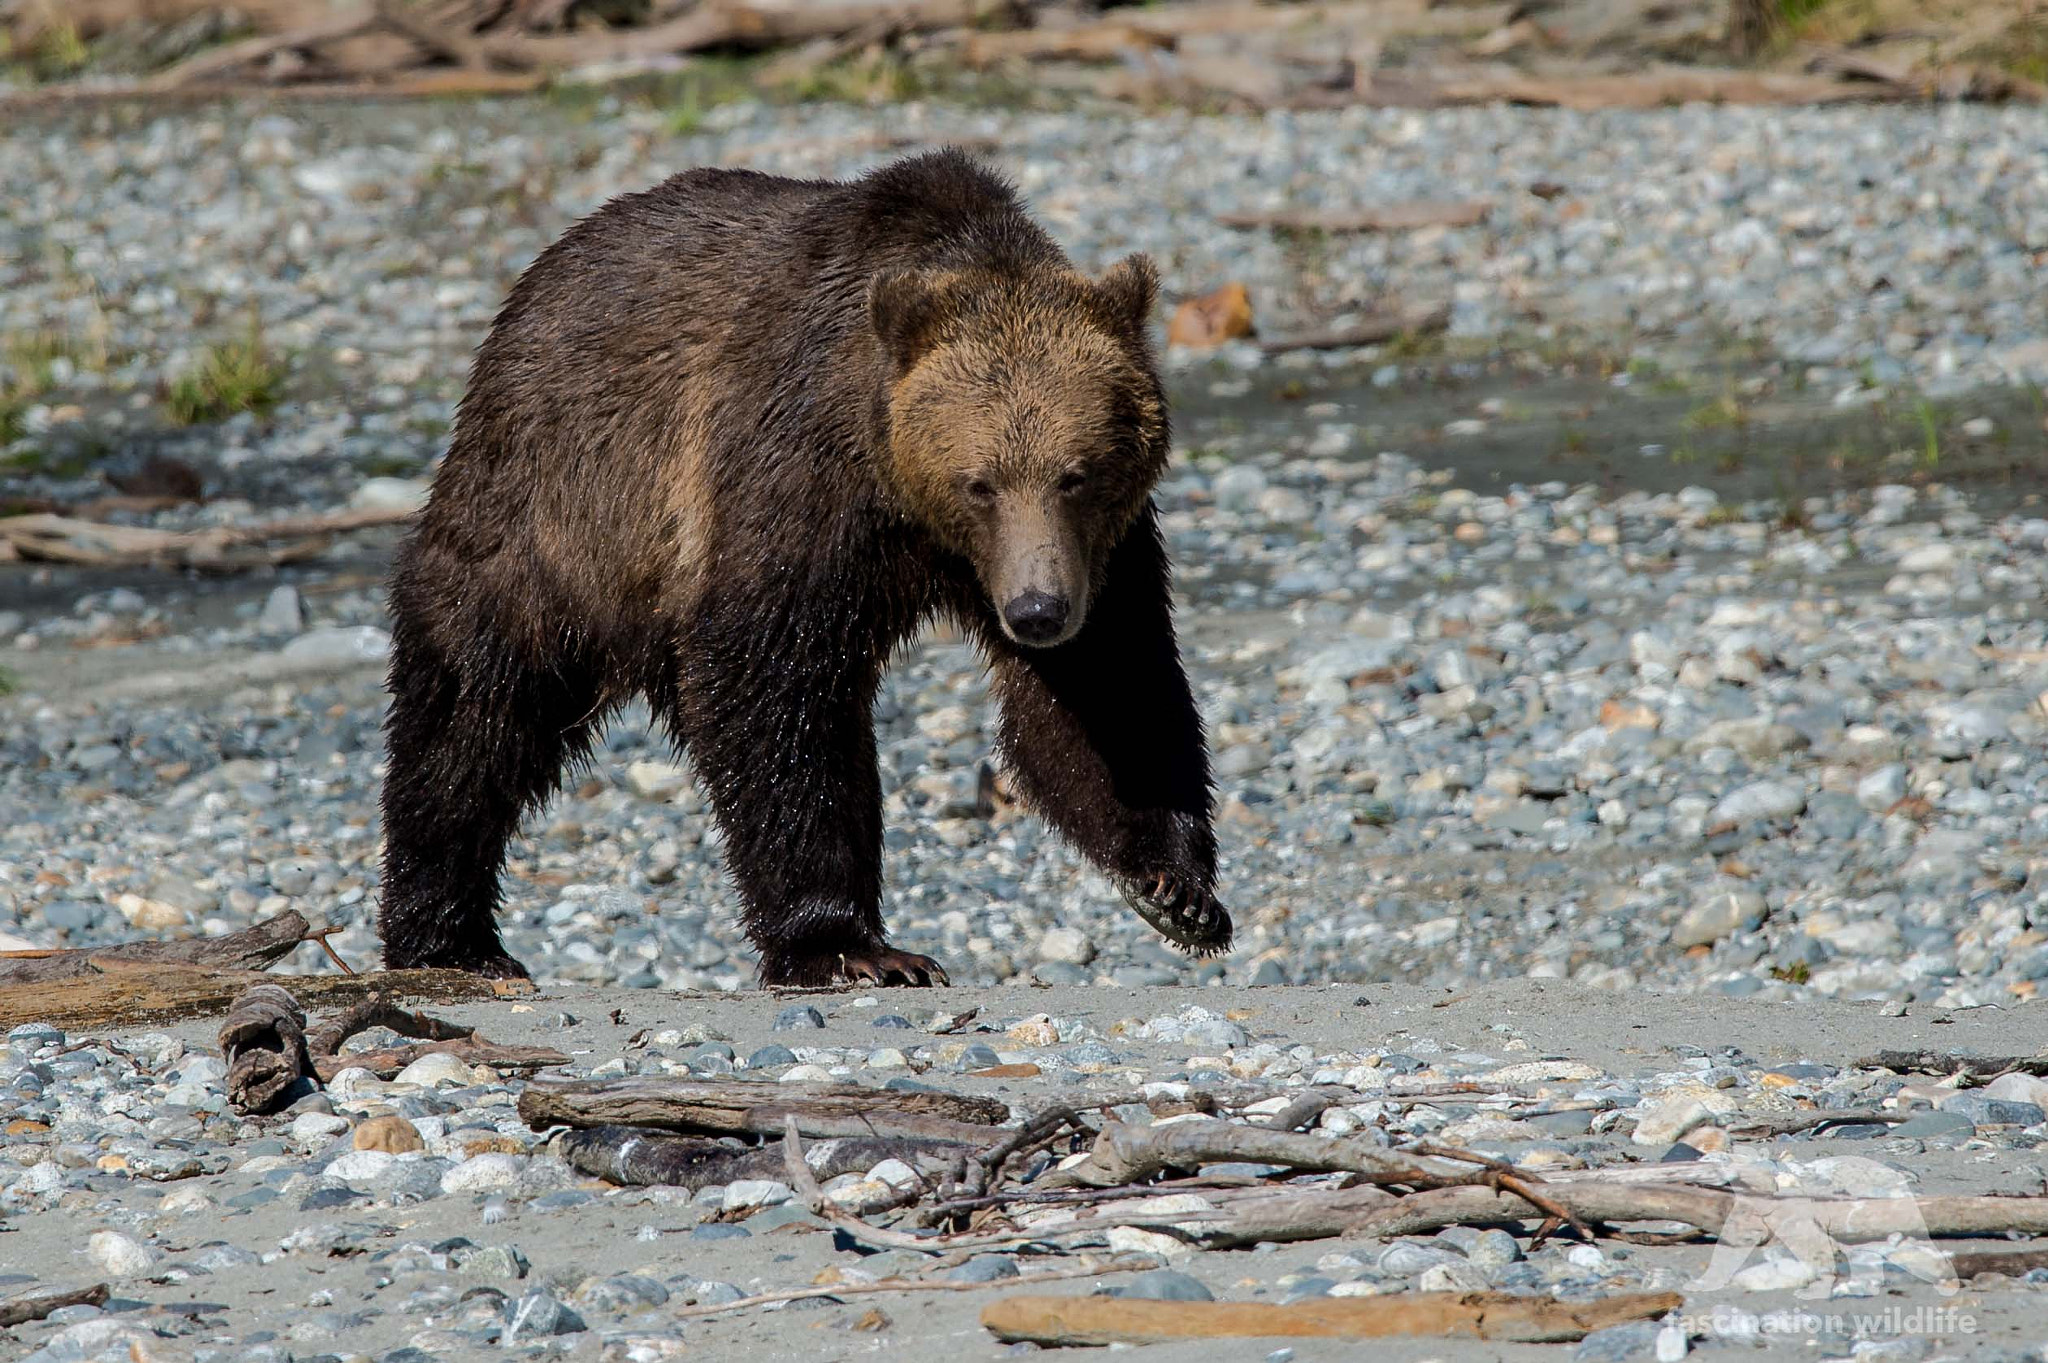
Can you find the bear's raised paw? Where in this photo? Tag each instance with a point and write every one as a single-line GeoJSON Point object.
{"type": "Point", "coordinates": [1187, 915]}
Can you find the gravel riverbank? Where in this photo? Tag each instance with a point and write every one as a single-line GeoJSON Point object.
{"type": "Point", "coordinates": [1674, 624]}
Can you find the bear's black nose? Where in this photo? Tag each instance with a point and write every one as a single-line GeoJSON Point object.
{"type": "Point", "coordinates": [1036, 617]}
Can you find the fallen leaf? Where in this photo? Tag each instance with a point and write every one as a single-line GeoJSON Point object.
{"type": "Point", "coordinates": [1212, 319]}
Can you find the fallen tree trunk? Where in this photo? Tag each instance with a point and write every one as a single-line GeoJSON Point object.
{"type": "Point", "coordinates": [733, 23]}
{"type": "Point", "coordinates": [642, 1156]}
{"type": "Point", "coordinates": [38, 1305]}
{"type": "Point", "coordinates": [253, 948]}
{"type": "Point", "coordinates": [1947, 1062]}
{"type": "Point", "coordinates": [68, 539]}
{"type": "Point", "coordinates": [118, 993]}
{"type": "Point", "coordinates": [1474, 1315]}
{"type": "Point", "coordinates": [756, 1108]}
{"type": "Point", "coordinates": [1376, 330]}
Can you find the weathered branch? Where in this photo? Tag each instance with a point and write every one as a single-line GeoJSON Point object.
{"type": "Point", "coordinates": [1947, 1062]}
{"type": "Point", "coordinates": [752, 1107]}
{"type": "Point", "coordinates": [1129, 1154]}
{"type": "Point", "coordinates": [1477, 1315]}
{"type": "Point", "coordinates": [644, 1156]}
{"type": "Point", "coordinates": [253, 948]}
{"type": "Point", "coordinates": [36, 1306]}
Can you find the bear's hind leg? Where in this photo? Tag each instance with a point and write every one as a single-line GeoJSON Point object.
{"type": "Point", "coordinates": [474, 742]}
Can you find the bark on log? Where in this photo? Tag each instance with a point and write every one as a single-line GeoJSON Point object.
{"type": "Point", "coordinates": [1317, 1214]}
{"type": "Point", "coordinates": [68, 539]}
{"type": "Point", "coordinates": [1374, 330]}
{"type": "Point", "coordinates": [36, 1306]}
{"type": "Point", "coordinates": [1475, 1315]}
{"type": "Point", "coordinates": [253, 948]}
{"type": "Point", "coordinates": [755, 1108]}
{"type": "Point", "coordinates": [1947, 1062]}
{"type": "Point", "coordinates": [151, 992]}
{"type": "Point", "coordinates": [1130, 1154]}
{"type": "Point", "coordinates": [264, 1042]}
{"type": "Point", "coordinates": [641, 1155]}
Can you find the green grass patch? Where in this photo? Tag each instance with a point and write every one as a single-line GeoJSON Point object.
{"type": "Point", "coordinates": [231, 377]}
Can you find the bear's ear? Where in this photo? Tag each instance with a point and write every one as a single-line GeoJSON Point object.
{"type": "Point", "coordinates": [905, 308]}
{"type": "Point", "coordinates": [1128, 290]}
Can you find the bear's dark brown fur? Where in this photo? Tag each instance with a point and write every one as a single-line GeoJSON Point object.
{"type": "Point", "coordinates": [730, 442]}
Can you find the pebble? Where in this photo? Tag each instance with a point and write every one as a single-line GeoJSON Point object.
{"type": "Point", "coordinates": [121, 1256]}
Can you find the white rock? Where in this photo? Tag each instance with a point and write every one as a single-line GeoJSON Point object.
{"type": "Point", "coordinates": [896, 1174]}
{"type": "Point", "coordinates": [1237, 488]}
{"type": "Point", "coordinates": [282, 612]}
{"type": "Point", "coordinates": [435, 1068]}
{"type": "Point", "coordinates": [354, 1082]}
{"type": "Point", "coordinates": [1670, 1120]}
{"type": "Point", "coordinates": [657, 780]}
{"type": "Point", "coordinates": [121, 1256]}
{"type": "Point", "coordinates": [361, 1166]}
{"type": "Point", "coordinates": [1545, 1071]}
{"type": "Point", "coordinates": [390, 494]}
{"type": "Point", "coordinates": [184, 1200]}
{"type": "Point", "coordinates": [487, 1173]}
{"type": "Point", "coordinates": [1451, 1278]}
{"type": "Point", "coordinates": [1070, 946]}
{"type": "Point", "coordinates": [308, 1127]}
{"type": "Point", "coordinates": [1774, 1275]}
{"type": "Point", "coordinates": [1883, 788]}
{"type": "Point", "coordinates": [152, 914]}
{"type": "Point", "coordinates": [757, 1192]}
{"type": "Point", "coordinates": [1759, 800]}
{"type": "Point", "coordinates": [1718, 915]}
{"type": "Point", "coordinates": [340, 644]}
{"type": "Point", "coordinates": [1135, 1240]}
{"type": "Point", "coordinates": [2018, 1088]}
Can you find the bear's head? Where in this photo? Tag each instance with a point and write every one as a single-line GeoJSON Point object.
{"type": "Point", "coordinates": [1026, 425]}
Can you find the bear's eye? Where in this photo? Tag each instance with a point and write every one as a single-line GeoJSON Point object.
{"type": "Point", "coordinates": [979, 489]}
{"type": "Point", "coordinates": [1073, 482]}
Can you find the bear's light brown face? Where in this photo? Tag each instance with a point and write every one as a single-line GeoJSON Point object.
{"type": "Point", "coordinates": [1026, 427]}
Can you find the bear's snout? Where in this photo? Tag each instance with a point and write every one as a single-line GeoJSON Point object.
{"type": "Point", "coordinates": [1036, 617]}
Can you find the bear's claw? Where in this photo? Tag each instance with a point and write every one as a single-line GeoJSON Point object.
{"type": "Point", "coordinates": [887, 965]}
{"type": "Point", "coordinates": [1185, 915]}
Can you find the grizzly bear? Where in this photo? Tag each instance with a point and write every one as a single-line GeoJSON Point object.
{"type": "Point", "coordinates": [730, 442]}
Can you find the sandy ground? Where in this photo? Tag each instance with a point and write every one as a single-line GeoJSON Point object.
{"type": "Point", "coordinates": [1624, 1033]}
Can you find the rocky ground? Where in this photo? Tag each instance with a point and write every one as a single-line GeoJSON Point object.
{"type": "Point", "coordinates": [421, 1218]}
{"type": "Point", "coordinates": [1673, 622]}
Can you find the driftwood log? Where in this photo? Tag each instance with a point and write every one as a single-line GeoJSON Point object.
{"type": "Point", "coordinates": [122, 993]}
{"type": "Point", "coordinates": [97, 544]}
{"type": "Point", "coordinates": [253, 948]}
{"type": "Point", "coordinates": [1946, 1062]}
{"type": "Point", "coordinates": [269, 1048]}
{"type": "Point", "coordinates": [1373, 330]}
{"type": "Point", "coordinates": [754, 1108]}
{"type": "Point", "coordinates": [263, 1041]}
{"type": "Point", "coordinates": [1125, 1153]}
{"type": "Point", "coordinates": [1475, 1315]}
{"type": "Point", "coordinates": [642, 1155]}
{"type": "Point", "coordinates": [36, 1306]}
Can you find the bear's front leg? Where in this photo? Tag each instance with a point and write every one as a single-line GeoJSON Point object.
{"type": "Point", "coordinates": [1105, 741]}
{"type": "Point", "coordinates": [781, 733]}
